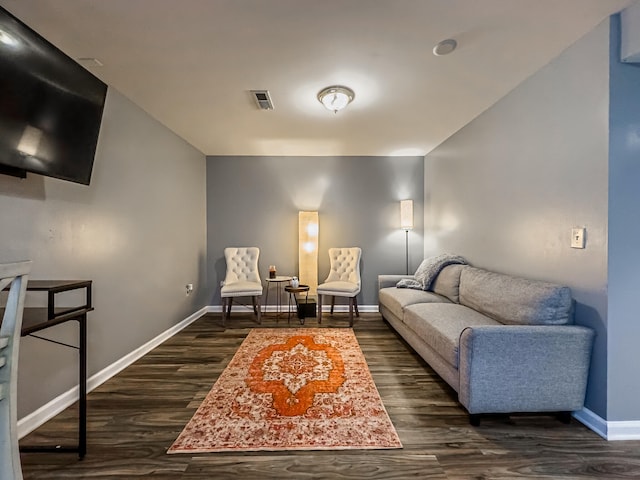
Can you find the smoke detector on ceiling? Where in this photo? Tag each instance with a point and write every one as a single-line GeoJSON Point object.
{"type": "Point", "coordinates": [263, 99]}
{"type": "Point", "coordinates": [445, 47]}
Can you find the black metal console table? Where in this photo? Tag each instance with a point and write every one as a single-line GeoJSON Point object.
{"type": "Point", "coordinates": [38, 319]}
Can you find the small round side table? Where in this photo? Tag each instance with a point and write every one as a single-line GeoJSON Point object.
{"type": "Point", "coordinates": [278, 280]}
{"type": "Point", "coordinates": [293, 291]}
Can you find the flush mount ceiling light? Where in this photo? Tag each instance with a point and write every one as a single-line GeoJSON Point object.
{"type": "Point", "coordinates": [336, 97]}
{"type": "Point", "coordinates": [445, 47]}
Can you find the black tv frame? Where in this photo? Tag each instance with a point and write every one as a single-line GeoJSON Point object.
{"type": "Point", "coordinates": [74, 101]}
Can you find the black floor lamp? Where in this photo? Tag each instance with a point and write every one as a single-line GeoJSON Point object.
{"type": "Point", "coordinates": [406, 223]}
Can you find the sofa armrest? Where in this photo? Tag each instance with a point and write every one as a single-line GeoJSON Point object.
{"type": "Point", "coordinates": [385, 281]}
{"type": "Point", "coordinates": [514, 368]}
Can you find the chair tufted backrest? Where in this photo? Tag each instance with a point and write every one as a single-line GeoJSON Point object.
{"type": "Point", "coordinates": [242, 264]}
{"type": "Point", "coordinates": [345, 265]}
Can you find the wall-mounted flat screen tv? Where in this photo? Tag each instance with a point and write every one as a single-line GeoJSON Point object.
{"type": "Point", "coordinates": [50, 107]}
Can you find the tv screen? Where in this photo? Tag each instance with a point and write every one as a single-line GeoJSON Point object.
{"type": "Point", "coordinates": [50, 107]}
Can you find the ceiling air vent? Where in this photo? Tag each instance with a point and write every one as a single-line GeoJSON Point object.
{"type": "Point", "coordinates": [263, 99]}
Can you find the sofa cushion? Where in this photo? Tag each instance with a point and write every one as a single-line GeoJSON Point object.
{"type": "Point", "coordinates": [447, 283]}
{"type": "Point", "coordinates": [440, 326]}
{"type": "Point", "coordinates": [396, 299]}
{"type": "Point", "coordinates": [514, 300]}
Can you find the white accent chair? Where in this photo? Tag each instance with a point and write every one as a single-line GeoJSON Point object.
{"type": "Point", "coordinates": [14, 276]}
{"type": "Point", "coordinates": [343, 279]}
{"type": "Point", "coordinates": [242, 279]}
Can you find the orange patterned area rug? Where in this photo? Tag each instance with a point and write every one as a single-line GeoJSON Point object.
{"type": "Point", "coordinates": [292, 389]}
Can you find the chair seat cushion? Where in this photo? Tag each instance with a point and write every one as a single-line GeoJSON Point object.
{"type": "Point", "coordinates": [338, 288]}
{"type": "Point", "coordinates": [241, 289]}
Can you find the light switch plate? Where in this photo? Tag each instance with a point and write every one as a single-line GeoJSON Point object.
{"type": "Point", "coordinates": [577, 237]}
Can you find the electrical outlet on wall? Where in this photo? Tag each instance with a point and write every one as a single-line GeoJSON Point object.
{"type": "Point", "coordinates": [189, 288]}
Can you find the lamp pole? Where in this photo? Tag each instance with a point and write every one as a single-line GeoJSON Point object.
{"type": "Point", "coordinates": [406, 223]}
{"type": "Point", "coordinates": [406, 247]}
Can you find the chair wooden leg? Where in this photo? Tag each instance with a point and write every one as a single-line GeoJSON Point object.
{"type": "Point", "coordinates": [355, 305]}
{"type": "Point", "coordinates": [229, 302]}
{"type": "Point", "coordinates": [333, 303]}
{"type": "Point", "coordinates": [351, 312]}
{"type": "Point", "coordinates": [257, 303]}
{"type": "Point", "coordinates": [224, 310]}
{"type": "Point", "coordinates": [319, 308]}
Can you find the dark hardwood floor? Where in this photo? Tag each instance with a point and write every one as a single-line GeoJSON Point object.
{"type": "Point", "coordinates": [135, 416]}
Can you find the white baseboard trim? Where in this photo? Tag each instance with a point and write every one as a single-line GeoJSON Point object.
{"type": "Point", "coordinates": [325, 308]}
{"type": "Point", "coordinates": [30, 422]}
{"type": "Point", "coordinates": [627, 430]}
{"type": "Point", "coordinates": [623, 430]}
{"type": "Point", "coordinates": [592, 421]}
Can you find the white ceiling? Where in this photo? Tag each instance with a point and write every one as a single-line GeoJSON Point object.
{"type": "Point", "coordinates": [191, 64]}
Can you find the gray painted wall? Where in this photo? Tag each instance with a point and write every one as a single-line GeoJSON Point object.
{"type": "Point", "coordinates": [138, 231]}
{"type": "Point", "coordinates": [507, 188]}
{"type": "Point", "coordinates": [254, 201]}
{"type": "Point", "coordinates": [624, 232]}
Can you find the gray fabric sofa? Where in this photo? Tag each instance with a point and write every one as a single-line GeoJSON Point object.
{"type": "Point", "coordinates": [505, 344]}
